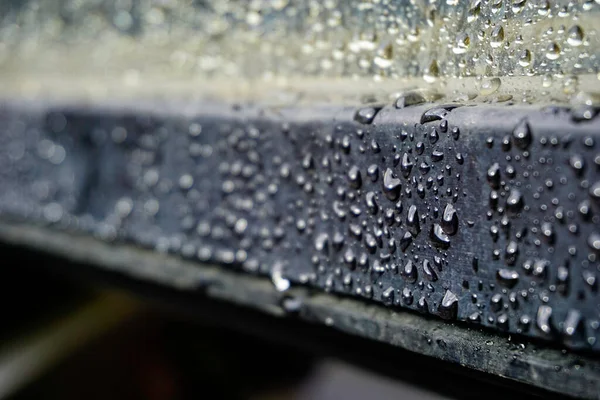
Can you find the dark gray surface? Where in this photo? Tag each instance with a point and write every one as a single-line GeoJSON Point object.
{"type": "Point", "coordinates": [476, 213]}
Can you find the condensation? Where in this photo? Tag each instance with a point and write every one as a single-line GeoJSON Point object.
{"type": "Point", "coordinates": [528, 51]}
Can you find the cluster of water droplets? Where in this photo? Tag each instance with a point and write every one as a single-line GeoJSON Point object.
{"type": "Point", "coordinates": [394, 203]}
{"type": "Point", "coordinates": [543, 220]}
{"type": "Point", "coordinates": [143, 42]}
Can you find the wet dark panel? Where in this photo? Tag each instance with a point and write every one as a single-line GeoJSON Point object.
{"type": "Point", "coordinates": [483, 214]}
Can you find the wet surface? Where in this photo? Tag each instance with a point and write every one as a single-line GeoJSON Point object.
{"type": "Point", "coordinates": [481, 214]}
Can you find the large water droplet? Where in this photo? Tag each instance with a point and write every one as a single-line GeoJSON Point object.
{"type": "Point", "coordinates": [507, 277]}
{"type": "Point", "coordinates": [410, 99]}
{"type": "Point", "coordinates": [575, 36]}
{"type": "Point", "coordinates": [365, 115]}
{"type": "Point", "coordinates": [439, 237]}
{"type": "Point", "coordinates": [489, 86]}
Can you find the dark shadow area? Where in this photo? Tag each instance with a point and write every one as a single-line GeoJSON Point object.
{"type": "Point", "coordinates": [183, 345]}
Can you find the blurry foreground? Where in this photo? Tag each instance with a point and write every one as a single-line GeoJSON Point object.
{"type": "Point", "coordinates": [63, 339]}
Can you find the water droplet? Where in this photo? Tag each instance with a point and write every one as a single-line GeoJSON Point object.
{"type": "Point", "coordinates": [433, 136]}
{"type": "Point", "coordinates": [355, 177]}
{"type": "Point", "coordinates": [406, 165]}
{"type": "Point", "coordinates": [412, 220]}
{"type": "Point", "coordinates": [448, 308]}
{"type": "Point", "coordinates": [543, 319]}
{"type": "Point", "coordinates": [432, 72]}
{"type": "Point", "coordinates": [518, 5]}
{"type": "Point", "coordinates": [474, 11]}
{"type": "Point", "coordinates": [493, 176]}
{"type": "Point", "coordinates": [322, 242]}
{"type": "Point", "coordinates": [373, 172]}
{"type": "Point", "coordinates": [594, 241]}
{"type": "Point", "coordinates": [371, 203]}
{"type": "Point", "coordinates": [281, 284]}
{"type": "Point", "coordinates": [525, 58]}
{"type": "Point", "coordinates": [507, 277]}
{"type": "Point", "coordinates": [575, 36]}
{"type": "Point", "coordinates": [450, 220]}
{"type": "Point", "coordinates": [540, 269]}
{"type": "Point", "coordinates": [543, 7]}
{"type": "Point", "coordinates": [388, 296]}
{"type": "Point", "coordinates": [407, 296]}
{"type": "Point", "coordinates": [512, 251]}
{"type": "Point", "coordinates": [572, 324]}
{"type": "Point", "coordinates": [462, 43]}
{"type": "Point", "coordinates": [391, 185]}
{"type": "Point", "coordinates": [406, 240]}
{"type": "Point", "coordinates": [489, 86]}
{"type": "Point", "coordinates": [553, 51]}
{"type": "Point", "coordinates": [548, 232]}
{"type": "Point", "coordinates": [496, 302]}
{"type": "Point", "coordinates": [429, 272]}
{"type": "Point", "coordinates": [410, 99]}
{"type": "Point", "coordinates": [514, 202]}
{"type": "Point", "coordinates": [595, 191]}
{"type": "Point", "coordinates": [497, 36]}
{"type": "Point", "coordinates": [365, 115]}
{"type": "Point", "coordinates": [522, 135]}
{"type": "Point", "coordinates": [439, 237]}
{"type": "Point", "coordinates": [384, 57]}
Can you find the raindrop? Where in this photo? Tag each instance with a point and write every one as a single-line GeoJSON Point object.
{"type": "Point", "coordinates": [462, 43]}
{"type": "Point", "coordinates": [412, 220]}
{"type": "Point", "coordinates": [497, 36]}
{"type": "Point", "coordinates": [493, 176]}
{"type": "Point", "coordinates": [552, 51]}
{"type": "Point", "coordinates": [514, 202]}
{"type": "Point", "coordinates": [429, 272]}
{"type": "Point", "coordinates": [507, 277]}
{"type": "Point", "coordinates": [525, 58]}
{"type": "Point", "coordinates": [575, 36]}
{"type": "Point", "coordinates": [410, 99]}
{"type": "Point", "coordinates": [355, 177]}
{"type": "Point", "coordinates": [543, 319]}
{"type": "Point", "coordinates": [450, 220]}
{"type": "Point", "coordinates": [432, 72]}
{"type": "Point", "coordinates": [391, 185]}
{"type": "Point", "coordinates": [489, 86]}
{"type": "Point", "coordinates": [365, 115]}
{"type": "Point", "coordinates": [439, 237]}
{"type": "Point", "coordinates": [522, 135]}
{"type": "Point", "coordinates": [448, 308]}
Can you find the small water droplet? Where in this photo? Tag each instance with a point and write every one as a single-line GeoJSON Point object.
{"type": "Point", "coordinates": [522, 135]}
{"type": "Point", "coordinates": [432, 72]}
{"type": "Point", "coordinates": [448, 308]}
